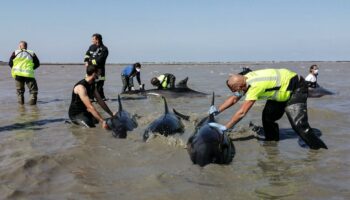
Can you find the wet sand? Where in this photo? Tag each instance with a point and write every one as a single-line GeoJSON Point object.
{"type": "Point", "coordinates": [41, 157]}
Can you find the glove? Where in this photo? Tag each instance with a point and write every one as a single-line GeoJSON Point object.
{"type": "Point", "coordinates": [213, 110]}
{"type": "Point", "coordinates": [221, 128]}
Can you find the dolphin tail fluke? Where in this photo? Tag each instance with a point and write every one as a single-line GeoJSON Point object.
{"type": "Point", "coordinates": [165, 106]}
{"type": "Point", "coordinates": [182, 83]}
{"type": "Point", "coordinates": [120, 103]}
{"type": "Point", "coordinates": [185, 117]}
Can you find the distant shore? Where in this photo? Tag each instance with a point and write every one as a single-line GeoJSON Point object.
{"type": "Point", "coordinates": [189, 63]}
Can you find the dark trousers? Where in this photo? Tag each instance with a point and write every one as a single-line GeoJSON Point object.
{"type": "Point", "coordinates": [84, 119]}
{"type": "Point", "coordinates": [32, 86]}
{"type": "Point", "coordinates": [99, 88]}
{"type": "Point", "coordinates": [127, 83]}
{"type": "Point", "coordinates": [296, 110]}
{"type": "Point", "coordinates": [171, 80]}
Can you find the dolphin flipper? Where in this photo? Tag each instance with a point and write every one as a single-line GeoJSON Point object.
{"type": "Point", "coordinates": [185, 117]}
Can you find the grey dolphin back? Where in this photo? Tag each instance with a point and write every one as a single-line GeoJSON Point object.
{"type": "Point", "coordinates": [121, 122]}
{"type": "Point", "coordinates": [207, 145]}
{"type": "Point", "coordinates": [167, 124]}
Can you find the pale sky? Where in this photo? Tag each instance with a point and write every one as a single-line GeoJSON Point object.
{"type": "Point", "coordinates": [179, 30]}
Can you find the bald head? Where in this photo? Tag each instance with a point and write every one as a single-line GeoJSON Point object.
{"type": "Point", "coordinates": [236, 82]}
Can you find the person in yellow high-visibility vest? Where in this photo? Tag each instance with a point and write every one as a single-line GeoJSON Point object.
{"type": "Point", "coordinates": [284, 91]}
{"type": "Point", "coordinates": [164, 81]}
{"type": "Point", "coordinates": [23, 63]}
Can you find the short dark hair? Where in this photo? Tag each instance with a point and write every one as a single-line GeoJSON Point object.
{"type": "Point", "coordinates": [98, 37]}
{"type": "Point", "coordinates": [90, 69]}
{"type": "Point", "coordinates": [312, 67]}
{"type": "Point", "coordinates": [138, 65]}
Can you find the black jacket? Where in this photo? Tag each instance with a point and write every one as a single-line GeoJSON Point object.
{"type": "Point", "coordinates": [97, 55]}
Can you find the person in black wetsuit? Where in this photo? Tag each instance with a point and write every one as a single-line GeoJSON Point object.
{"type": "Point", "coordinates": [97, 55]}
{"type": "Point", "coordinates": [81, 111]}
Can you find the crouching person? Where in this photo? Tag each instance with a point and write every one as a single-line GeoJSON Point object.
{"type": "Point", "coordinates": [81, 110]}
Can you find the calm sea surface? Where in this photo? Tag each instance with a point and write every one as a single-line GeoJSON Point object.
{"type": "Point", "coordinates": [41, 157]}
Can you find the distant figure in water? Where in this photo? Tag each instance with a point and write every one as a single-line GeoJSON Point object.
{"type": "Point", "coordinates": [81, 111]}
{"type": "Point", "coordinates": [284, 90]}
{"type": "Point", "coordinates": [164, 81]}
{"type": "Point", "coordinates": [311, 78]}
{"type": "Point", "coordinates": [127, 75]}
{"type": "Point", "coordinates": [23, 63]}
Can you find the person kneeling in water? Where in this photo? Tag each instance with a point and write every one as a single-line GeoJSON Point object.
{"type": "Point", "coordinates": [81, 111]}
{"type": "Point", "coordinates": [164, 81]}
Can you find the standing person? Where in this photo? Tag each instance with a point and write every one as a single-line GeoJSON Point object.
{"type": "Point", "coordinates": [284, 91]}
{"type": "Point", "coordinates": [127, 75]}
{"type": "Point", "coordinates": [311, 78]}
{"type": "Point", "coordinates": [164, 81]}
{"type": "Point", "coordinates": [23, 63]}
{"type": "Point", "coordinates": [97, 55]}
{"type": "Point", "coordinates": [81, 111]}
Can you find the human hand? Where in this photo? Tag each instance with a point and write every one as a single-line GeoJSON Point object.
{"type": "Point", "coordinates": [86, 64]}
{"type": "Point", "coordinates": [221, 128]}
{"type": "Point", "coordinates": [213, 110]}
{"type": "Point", "coordinates": [105, 125]}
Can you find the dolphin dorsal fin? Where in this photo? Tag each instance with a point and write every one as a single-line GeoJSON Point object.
{"type": "Point", "coordinates": [165, 106]}
{"type": "Point", "coordinates": [182, 83]}
{"type": "Point", "coordinates": [120, 104]}
{"type": "Point", "coordinates": [211, 116]}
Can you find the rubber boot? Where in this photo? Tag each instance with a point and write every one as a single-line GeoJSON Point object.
{"type": "Point", "coordinates": [297, 115]}
{"type": "Point", "coordinates": [33, 99]}
{"type": "Point", "coordinates": [20, 99]}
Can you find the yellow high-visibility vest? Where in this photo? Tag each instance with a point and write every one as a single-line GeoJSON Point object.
{"type": "Point", "coordinates": [269, 84]}
{"type": "Point", "coordinates": [23, 64]}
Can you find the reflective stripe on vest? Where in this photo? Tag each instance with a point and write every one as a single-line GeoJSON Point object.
{"type": "Point", "coordinates": [23, 64]}
{"type": "Point", "coordinates": [163, 81]}
{"type": "Point", "coordinates": [269, 84]}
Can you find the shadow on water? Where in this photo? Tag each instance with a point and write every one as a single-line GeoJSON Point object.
{"type": "Point", "coordinates": [285, 133]}
{"type": "Point", "coordinates": [33, 125]}
{"type": "Point", "coordinates": [49, 101]}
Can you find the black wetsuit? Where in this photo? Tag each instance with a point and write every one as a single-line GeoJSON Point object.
{"type": "Point", "coordinates": [77, 110]}
{"type": "Point", "coordinates": [97, 55]}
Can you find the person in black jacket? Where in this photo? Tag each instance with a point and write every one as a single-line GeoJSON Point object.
{"type": "Point", "coordinates": [97, 55]}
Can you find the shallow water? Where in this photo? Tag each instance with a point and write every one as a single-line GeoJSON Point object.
{"type": "Point", "coordinates": [41, 157]}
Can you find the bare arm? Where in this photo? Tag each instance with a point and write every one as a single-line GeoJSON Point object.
{"type": "Point", "coordinates": [102, 103]}
{"type": "Point", "coordinates": [243, 110]}
{"type": "Point", "coordinates": [228, 103]}
{"type": "Point", "coordinates": [81, 91]}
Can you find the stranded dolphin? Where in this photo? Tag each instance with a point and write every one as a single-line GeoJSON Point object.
{"type": "Point", "coordinates": [318, 91]}
{"type": "Point", "coordinates": [121, 122]}
{"type": "Point", "coordinates": [181, 90]}
{"type": "Point", "coordinates": [208, 145]}
{"type": "Point", "coordinates": [167, 124]}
